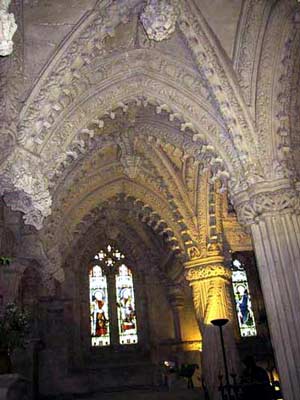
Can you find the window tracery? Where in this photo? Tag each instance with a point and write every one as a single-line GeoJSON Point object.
{"type": "Point", "coordinates": [110, 277]}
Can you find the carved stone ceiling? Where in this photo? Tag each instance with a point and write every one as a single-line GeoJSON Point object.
{"type": "Point", "coordinates": [94, 108]}
{"type": "Point", "coordinates": [139, 158]}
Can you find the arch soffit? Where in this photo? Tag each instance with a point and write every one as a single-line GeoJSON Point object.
{"type": "Point", "coordinates": [273, 88]}
{"type": "Point", "coordinates": [142, 90]}
{"type": "Point", "coordinates": [129, 235]}
{"type": "Point", "coordinates": [148, 132]}
{"type": "Point", "coordinates": [168, 183]}
{"type": "Point", "coordinates": [251, 28]}
{"type": "Point", "coordinates": [156, 204]}
{"type": "Point", "coordinates": [207, 55]}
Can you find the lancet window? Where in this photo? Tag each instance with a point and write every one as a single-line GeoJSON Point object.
{"type": "Point", "coordinates": [243, 300]}
{"type": "Point", "coordinates": [111, 299]}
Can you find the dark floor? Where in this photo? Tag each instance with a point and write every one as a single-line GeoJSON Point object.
{"type": "Point", "coordinates": [173, 394]}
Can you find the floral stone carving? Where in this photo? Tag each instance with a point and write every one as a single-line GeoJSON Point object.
{"type": "Point", "coordinates": [159, 19]}
{"type": "Point", "coordinates": [8, 27]}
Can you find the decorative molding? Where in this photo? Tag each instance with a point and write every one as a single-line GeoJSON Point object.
{"type": "Point", "coordinates": [269, 198]}
{"type": "Point", "coordinates": [27, 188]}
{"type": "Point", "coordinates": [252, 25]}
{"type": "Point", "coordinates": [227, 95]}
{"type": "Point", "coordinates": [61, 136]}
{"type": "Point", "coordinates": [272, 78]}
{"type": "Point", "coordinates": [210, 271]}
{"type": "Point", "coordinates": [11, 82]}
{"type": "Point", "coordinates": [128, 157]}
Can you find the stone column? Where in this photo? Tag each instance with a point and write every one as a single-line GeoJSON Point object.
{"type": "Point", "coordinates": [176, 299]}
{"type": "Point", "coordinates": [210, 280]}
{"type": "Point", "coordinates": [10, 278]}
{"type": "Point", "coordinates": [272, 211]}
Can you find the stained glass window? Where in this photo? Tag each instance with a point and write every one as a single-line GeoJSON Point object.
{"type": "Point", "coordinates": [99, 307]}
{"type": "Point", "coordinates": [126, 306]}
{"type": "Point", "coordinates": [111, 262]}
{"type": "Point", "coordinates": [243, 300]}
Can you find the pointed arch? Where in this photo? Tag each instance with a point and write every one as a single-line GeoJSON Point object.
{"type": "Point", "coordinates": [59, 93]}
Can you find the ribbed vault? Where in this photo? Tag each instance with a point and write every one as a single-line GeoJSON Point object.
{"type": "Point", "coordinates": [142, 161]}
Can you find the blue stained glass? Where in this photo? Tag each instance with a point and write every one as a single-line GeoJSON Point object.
{"type": "Point", "coordinates": [243, 301]}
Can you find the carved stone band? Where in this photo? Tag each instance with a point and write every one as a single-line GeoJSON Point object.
{"type": "Point", "coordinates": [208, 272]}
{"type": "Point", "coordinates": [252, 207]}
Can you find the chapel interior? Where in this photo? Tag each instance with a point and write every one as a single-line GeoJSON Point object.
{"type": "Point", "coordinates": [149, 184]}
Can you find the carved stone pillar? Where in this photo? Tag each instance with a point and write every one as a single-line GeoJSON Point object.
{"type": "Point", "coordinates": [10, 277]}
{"type": "Point", "coordinates": [176, 299]}
{"type": "Point", "coordinates": [272, 210]}
{"type": "Point", "coordinates": [211, 281]}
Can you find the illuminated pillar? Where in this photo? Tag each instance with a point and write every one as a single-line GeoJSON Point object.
{"type": "Point", "coordinates": [210, 280]}
{"type": "Point", "coordinates": [272, 211]}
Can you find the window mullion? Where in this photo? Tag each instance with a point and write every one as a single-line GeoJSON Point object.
{"type": "Point", "coordinates": [113, 316]}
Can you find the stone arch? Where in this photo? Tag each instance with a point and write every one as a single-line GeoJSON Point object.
{"type": "Point", "coordinates": [227, 121]}
{"type": "Point", "coordinates": [154, 209]}
{"type": "Point", "coordinates": [141, 212]}
{"type": "Point", "coordinates": [76, 127]}
{"type": "Point", "coordinates": [75, 55]}
{"type": "Point", "coordinates": [252, 25]}
{"type": "Point", "coordinates": [276, 71]}
{"type": "Point", "coordinates": [144, 261]}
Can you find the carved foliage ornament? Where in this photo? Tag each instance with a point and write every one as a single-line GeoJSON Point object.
{"type": "Point", "coordinates": [268, 203]}
{"type": "Point", "coordinates": [208, 272]}
{"type": "Point", "coordinates": [128, 158]}
{"type": "Point", "coordinates": [8, 27]}
{"type": "Point", "coordinates": [159, 19]}
{"type": "Point", "coordinates": [25, 188]}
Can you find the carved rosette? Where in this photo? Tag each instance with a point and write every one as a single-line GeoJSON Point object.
{"type": "Point", "coordinates": [159, 19]}
{"type": "Point", "coordinates": [8, 27]}
{"type": "Point", "coordinates": [265, 201]}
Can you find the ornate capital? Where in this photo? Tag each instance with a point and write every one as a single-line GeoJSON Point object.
{"type": "Point", "coordinates": [267, 198]}
{"type": "Point", "coordinates": [8, 27]}
{"type": "Point", "coordinates": [159, 19]}
{"type": "Point", "coordinates": [207, 268]}
{"type": "Point", "coordinates": [25, 188]}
